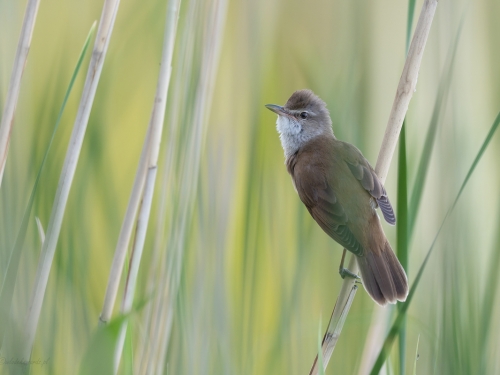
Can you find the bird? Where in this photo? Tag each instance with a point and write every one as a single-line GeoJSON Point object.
{"type": "Point", "coordinates": [341, 191]}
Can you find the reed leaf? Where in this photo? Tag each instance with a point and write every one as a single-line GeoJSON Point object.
{"type": "Point", "coordinates": [488, 303]}
{"type": "Point", "coordinates": [402, 232]}
{"type": "Point", "coordinates": [99, 356]}
{"type": "Point", "coordinates": [394, 331]}
{"type": "Point", "coordinates": [409, 23]}
{"type": "Point", "coordinates": [15, 254]}
{"type": "Point", "coordinates": [402, 197]}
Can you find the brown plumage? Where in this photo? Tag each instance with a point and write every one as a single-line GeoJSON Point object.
{"type": "Point", "coordinates": [341, 191]}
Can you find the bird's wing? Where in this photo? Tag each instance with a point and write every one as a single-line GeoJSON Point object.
{"type": "Point", "coordinates": [322, 203]}
{"type": "Point", "coordinates": [365, 174]}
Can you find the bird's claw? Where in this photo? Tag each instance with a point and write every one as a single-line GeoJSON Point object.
{"type": "Point", "coordinates": [345, 272]}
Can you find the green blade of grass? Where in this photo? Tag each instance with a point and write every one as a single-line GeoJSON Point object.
{"type": "Point", "coordinates": [478, 157]}
{"type": "Point", "coordinates": [15, 255]}
{"type": "Point", "coordinates": [423, 165]}
{"type": "Point", "coordinates": [409, 23]}
{"type": "Point", "coordinates": [99, 356]}
{"type": "Point", "coordinates": [488, 304]}
{"type": "Point", "coordinates": [402, 198]}
{"type": "Point", "coordinates": [404, 306]}
{"type": "Point", "coordinates": [402, 233]}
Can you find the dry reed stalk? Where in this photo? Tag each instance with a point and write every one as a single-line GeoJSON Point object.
{"type": "Point", "coordinates": [23, 48]}
{"type": "Point", "coordinates": [158, 256]}
{"type": "Point", "coordinates": [406, 88]}
{"type": "Point", "coordinates": [125, 234]}
{"type": "Point", "coordinates": [158, 260]}
{"type": "Point", "coordinates": [150, 338]}
{"type": "Point", "coordinates": [104, 31]}
{"type": "Point", "coordinates": [404, 93]}
{"type": "Point", "coordinates": [160, 323]}
{"type": "Point", "coordinates": [152, 144]}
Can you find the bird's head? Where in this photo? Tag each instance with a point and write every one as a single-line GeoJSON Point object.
{"type": "Point", "coordinates": [302, 118]}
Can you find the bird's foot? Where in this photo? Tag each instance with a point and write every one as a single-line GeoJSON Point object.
{"type": "Point", "coordinates": [345, 272]}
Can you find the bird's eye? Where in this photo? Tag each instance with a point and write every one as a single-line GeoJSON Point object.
{"type": "Point", "coordinates": [303, 115]}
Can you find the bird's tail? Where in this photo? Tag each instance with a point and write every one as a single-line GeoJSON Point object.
{"type": "Point", "coordinates": [383, 276]}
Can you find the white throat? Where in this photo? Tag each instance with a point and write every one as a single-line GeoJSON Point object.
{"type": "Point", "coordinates": [292, 135]}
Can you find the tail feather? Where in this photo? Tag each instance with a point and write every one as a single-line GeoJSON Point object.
{"type": "Point", "coordinates": [383, 276]}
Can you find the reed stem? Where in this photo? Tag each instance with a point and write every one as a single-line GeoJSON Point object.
{"type": "Point", "coordinates": [23, 48]}
{"type": "Point", "coordinates": [404, 93]}
{"type": "Point", "coordinates": [104, 31]}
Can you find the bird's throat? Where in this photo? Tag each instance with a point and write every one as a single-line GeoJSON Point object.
{"type": "Point", "coordinates": [292, 135]}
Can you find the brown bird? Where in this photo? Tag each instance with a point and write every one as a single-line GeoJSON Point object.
{"type": "Point", "coordinates": [341, 192]}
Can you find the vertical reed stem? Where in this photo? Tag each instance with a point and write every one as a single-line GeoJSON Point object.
{"type": "Point", "coordinates": [104, 31]}
{"type": "Point", "coordinates": [23, 48]}
{"type": "Point", "coordinates": [152, 145]}
{"type": "Point", "coordinates": [404, 93]}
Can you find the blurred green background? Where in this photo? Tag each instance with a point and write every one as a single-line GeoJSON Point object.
{"type": "Point", "coordinates": [254, 273]}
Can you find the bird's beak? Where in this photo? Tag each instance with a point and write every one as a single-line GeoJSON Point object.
{"type": "Point", "coordinates": [279, 110]}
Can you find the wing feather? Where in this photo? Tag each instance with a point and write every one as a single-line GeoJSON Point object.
{"type": "Point", "coordinates": [330, 215]}
{"type": "Point", "coordinates": [365, 174]}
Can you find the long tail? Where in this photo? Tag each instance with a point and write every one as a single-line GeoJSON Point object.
{"type": "Point", "coordinates": [383, 276]}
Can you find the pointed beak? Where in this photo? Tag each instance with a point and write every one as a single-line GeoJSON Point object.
{"type": "Point", "coordinates": [279, 110]}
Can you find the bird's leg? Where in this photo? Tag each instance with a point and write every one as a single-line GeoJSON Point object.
{"type": "Point", "coordinates": [344, 271]}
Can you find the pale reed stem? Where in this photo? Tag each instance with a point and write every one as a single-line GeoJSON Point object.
{"type": "Point", "coordinates": [404, 93]}
{"type": "Point", "coordinates": [152, 144]}
{"type": "Point", "coordinates": [23, 48]}
{"type": "Point", "coordinates": [104, 31]}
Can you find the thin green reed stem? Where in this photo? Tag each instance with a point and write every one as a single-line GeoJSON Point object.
{"type": "Point", "coordinates": [402, 210]}
{"type": "Point", "coordinates": [402, 233]}
{"type": "Point", "coordinates": [409, 22]}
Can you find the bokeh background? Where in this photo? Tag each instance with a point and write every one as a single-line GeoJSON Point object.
{"type": "Point", "coordinates": [252, 276]}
